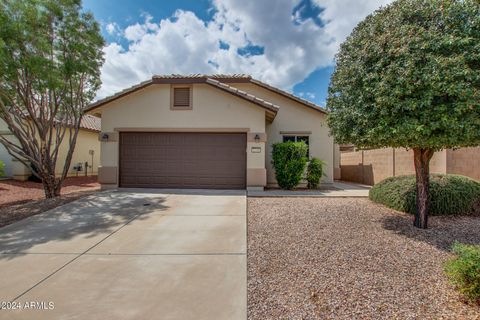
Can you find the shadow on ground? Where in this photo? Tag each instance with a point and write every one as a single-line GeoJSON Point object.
{"type": "Point", "coordinates": [81, 181]}
{"type": "Point", "coordinates": [442, 231]}
{"type": "Point", "coordinates": [93, 216]}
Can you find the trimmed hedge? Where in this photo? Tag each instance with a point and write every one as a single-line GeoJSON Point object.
{"type": "Point", "coordinates": [449, 194]}
{"type": "Point", "coordinates": [464, 270]}
{"type": "Point", "coordinates": [289, 161]}
{"type": "Point", "coordinates": [314, 172]}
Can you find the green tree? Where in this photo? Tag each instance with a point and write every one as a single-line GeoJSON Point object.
{"type": "Point", "coordinates": [2, 168]}
{"type": "Point", "coordinates": [409, 76]}
{"type": "Point", "coordinates": [50, 59]}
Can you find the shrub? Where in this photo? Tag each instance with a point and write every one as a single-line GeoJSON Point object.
{"type": "Point", "coordinates": [449, 194]}
{"type": "Point", "coordinates": [289, 161]}
{"type": "Point", "coordinates": [2, 168]}
{"type": "Point", "coordinates": [314, 172]}
{"type": "Point", "coordinates": [464, 270]}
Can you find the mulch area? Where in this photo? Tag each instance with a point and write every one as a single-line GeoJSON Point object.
{"type": "Point", "coordinates": [332, 258]}
{"type": "Point", "coordinates": [21, 199]}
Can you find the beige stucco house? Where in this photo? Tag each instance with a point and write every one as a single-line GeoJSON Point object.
{"type": "Point", "coordinates": [87, 149]}
{"type": "Point", "coordinates": [204, 132]}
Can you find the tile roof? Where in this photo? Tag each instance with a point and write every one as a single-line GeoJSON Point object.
{"type": "Point", "coordinates": [218, 80]}
{"type": "Point", "coordinates": [242, 94]}
{"type": "Point", "coordinates": [288, 95]}
{"type": "Point", "coordinates": [200, 76]}
{"type": "Point", "coordinates": [90, 122]}
{"type": "Point", "coordinates": [119, 94]}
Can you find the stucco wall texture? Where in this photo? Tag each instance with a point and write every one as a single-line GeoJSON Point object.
{"type": "Point", "coordinates": [215, 111]}
{"type": "Point", "coordinates": [372, 166]}
{"type": "Point", "coordinates": [86, 140]}
{"type": "Point", "coordinates": [295, 118]}
{"type": "Point", "coordinates": [149, 110]}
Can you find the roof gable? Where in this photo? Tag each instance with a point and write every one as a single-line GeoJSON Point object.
{"type": "Point", "coordinates": [219, 81]}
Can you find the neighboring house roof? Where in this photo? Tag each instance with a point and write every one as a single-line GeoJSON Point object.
{"type": "Point", "coordinates": [90, 122]}
{"type": "Point", "coordinates": [219, 81]}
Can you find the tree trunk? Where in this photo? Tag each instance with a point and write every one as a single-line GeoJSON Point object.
{"type": "Point", "coordinates": [422, 171]}
{"type": "Point", "coordinates": [51, 186]}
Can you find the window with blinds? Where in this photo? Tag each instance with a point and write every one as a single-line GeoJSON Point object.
{"type": "Point", "coordinates": [181, 97]}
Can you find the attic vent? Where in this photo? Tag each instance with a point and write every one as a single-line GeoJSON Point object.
{"type": "Point", "coordinates": [181, 97]}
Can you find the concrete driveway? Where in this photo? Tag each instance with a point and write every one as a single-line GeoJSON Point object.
{"type": "Point", "coordinates": [133, 254]}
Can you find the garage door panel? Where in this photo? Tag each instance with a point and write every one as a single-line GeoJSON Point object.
{"type": "Point", "coordinates": [183, 160]}
{"type": "Point", "coordinates": [129, 140]}
{"type": "Point", "coordinates": [159, 140]}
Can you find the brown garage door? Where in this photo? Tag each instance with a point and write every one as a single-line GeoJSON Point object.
{"type": "Point", "coordinates": [183, 160]}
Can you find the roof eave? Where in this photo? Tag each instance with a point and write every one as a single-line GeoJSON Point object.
{"type": "Point", "coordinates": [121, 94]}
{"type": "Point", "coordinates": [177, 79]}
{"type": "Point", "coordinates": [271, 109]}
{"type": "Point", "coordinates": [290, 96]}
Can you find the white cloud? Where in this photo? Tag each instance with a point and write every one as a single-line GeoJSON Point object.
{"type": "Point", "coordinates": [185, 44]}
{"type": "Point", "coordinates": [112, 28]}
{"type": "Point", "coordinates": [308, 95]}
{"type": "Point", "coordinates": [343, 15]}
{"type": "Point", "coordinates": [137, 31]}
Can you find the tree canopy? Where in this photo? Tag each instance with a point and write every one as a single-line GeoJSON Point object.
{"type": "Point", "coordinates": [409, 76]}
{"type": "Point", "coordinates": [50, 59]}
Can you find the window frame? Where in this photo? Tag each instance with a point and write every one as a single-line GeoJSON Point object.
{"type": "Point", "coordinates": [172, 97]}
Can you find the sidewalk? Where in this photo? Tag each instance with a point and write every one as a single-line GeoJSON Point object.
{"type": "Point", "coordinates": [339, 189]}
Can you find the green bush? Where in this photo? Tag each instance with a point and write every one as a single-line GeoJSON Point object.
{"type": "Point", "coordinates": [449, 194]}
{"type": "Point", "coordinates": [464, 270]}
{"type": "Point", "coordinates": [2, 168]}
{"type": "Point", "coordinates": [289, 161]}
{"type": "Point", "coordinates": [314, 172]}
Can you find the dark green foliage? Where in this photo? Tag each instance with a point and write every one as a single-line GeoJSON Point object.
{"type": "Point", "coordinates": [50, 59]}
{"type": "Point", "coordinates": [449, 194]}
{"type": "Point", "coordinates": [2, 168]}
{"type": "Point", "coordinates": [314, 172]}
{"type": "Point", "coordinates": [53, 45]}
{"type": "Point", "coordinates": [464, 270]}
{"type": "Point", "coordinates": [289, 160]}
{"type": "Point", "coordinates": [409, 76]}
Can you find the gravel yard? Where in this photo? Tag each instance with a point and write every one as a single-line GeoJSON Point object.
{"type": "Point", "coordinates": [346, 258]}
{"type": "Point", "coordinates": [21, 199]}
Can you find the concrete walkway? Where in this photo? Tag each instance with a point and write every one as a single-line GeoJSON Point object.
{"type": "Point", "coordinates": [339, 189]}
{"type": "Point", "coordinates": [134, 254]}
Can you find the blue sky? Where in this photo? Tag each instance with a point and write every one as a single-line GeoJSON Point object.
{"type": "Point", "coordinates": [286, 43]}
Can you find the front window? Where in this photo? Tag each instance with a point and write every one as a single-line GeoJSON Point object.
{"type": "Point", "coordinates": [306, 139]}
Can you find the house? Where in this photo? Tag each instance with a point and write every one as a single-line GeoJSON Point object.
{"type": "Point", "coordinates": [202, 131]}
{"type": "Point", "coordinates": [87, 149]}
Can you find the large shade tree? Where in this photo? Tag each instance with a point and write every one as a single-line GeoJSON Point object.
{"type": "Point", "coordinates": [409, 76]}
{"type": "Point", "coordinates": [50, 59]}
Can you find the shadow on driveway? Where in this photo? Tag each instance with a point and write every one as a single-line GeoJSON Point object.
{"type": "Point", "coordinates": [77, 226]}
